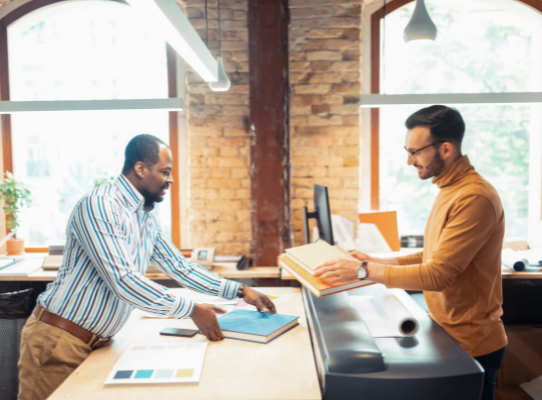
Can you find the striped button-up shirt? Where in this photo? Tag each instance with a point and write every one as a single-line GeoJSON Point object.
{"type": "Point", "coordinates": [111, 239]}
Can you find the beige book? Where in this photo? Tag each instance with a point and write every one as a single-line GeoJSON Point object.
{"type": "Point", "coordinates": [313, 255]}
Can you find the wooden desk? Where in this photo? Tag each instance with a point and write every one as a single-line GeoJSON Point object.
{"type": "Point", "coordinates": [225, 272]}
{"type": "Point", "coordinates": [509, 274]}
{"type": "Point", "coordinates": [233, 369]}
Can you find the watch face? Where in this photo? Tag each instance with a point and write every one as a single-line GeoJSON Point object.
{"type": "Point", "coordinates": [362, 273]}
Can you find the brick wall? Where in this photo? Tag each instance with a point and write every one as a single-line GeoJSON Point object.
{"type": "Point", "coordinates": [325, 46]}
{"type": "Point", "coordinates": [219, 184]}
{"type": "Point", "coordinates": [325, 43]}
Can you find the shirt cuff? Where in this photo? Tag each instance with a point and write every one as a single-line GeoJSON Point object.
{"type": "Point", "coordinates": [392, 273]}
{"type": "Point", "coordinates": [229, 289]}
{"type": "Point", "coordinates": [182, 309]}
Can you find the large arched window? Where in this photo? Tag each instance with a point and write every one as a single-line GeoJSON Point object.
{"type": "Point", "coordinates": [80, 50]}
{"type": "Point", "coordinates": [482, 47]}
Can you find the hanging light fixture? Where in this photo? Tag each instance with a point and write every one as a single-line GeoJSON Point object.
{"type": "Point", "coordinates": [420, 27]}
{"type": "Point", "coordinates": [223, 84]}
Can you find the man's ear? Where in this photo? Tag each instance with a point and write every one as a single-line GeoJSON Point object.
{"type": "Point", "coordinates": [140, 169]}
{"type": "Point", "coordinates": [447, 149]}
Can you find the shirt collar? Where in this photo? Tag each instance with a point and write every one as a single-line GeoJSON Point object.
{"type": "Point", "coordinates": [132, 196]}
{"type": "Point", "coordinates": [455, 172]}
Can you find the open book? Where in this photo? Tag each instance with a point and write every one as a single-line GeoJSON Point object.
{"type": "Point", "coordinates": [302, 261]}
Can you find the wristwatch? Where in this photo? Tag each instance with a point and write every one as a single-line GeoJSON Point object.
{"type": "Point", "coordinates": [240, 293]}
{"type": "Point", "coordinates": [362, 271]}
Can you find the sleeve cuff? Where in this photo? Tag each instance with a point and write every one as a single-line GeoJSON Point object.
{"type": "Point", "coordinates": [182, 309]}
{"type": "Point", "coordinates": [387, 276]}
{"type": "Point", "coordinates": [229, 289]}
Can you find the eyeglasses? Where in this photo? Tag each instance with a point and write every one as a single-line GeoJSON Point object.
{"type": "Point", "coordinates": [414, 153]}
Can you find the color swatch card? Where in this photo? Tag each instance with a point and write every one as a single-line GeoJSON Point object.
{"type": "Point", "coordinates": [159, 364]}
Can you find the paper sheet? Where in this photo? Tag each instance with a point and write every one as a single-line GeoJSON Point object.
{"type": "Point", "coordinates": [385, 316]}
{"type": "Point", "coordinates": [370, 239]}
{"type": "Point", "coordinates": [160, 364]}
{"type": "Point", "coordinates": [533, 388]}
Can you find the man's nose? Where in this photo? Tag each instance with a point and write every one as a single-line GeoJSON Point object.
{"type": "Point", "coordinates": [410, 160]}
{"type": "Point", "coordinates": [170, 179]}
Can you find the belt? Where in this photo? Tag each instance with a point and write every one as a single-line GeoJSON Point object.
{"type": "Point", "coordinates": [89, 338]}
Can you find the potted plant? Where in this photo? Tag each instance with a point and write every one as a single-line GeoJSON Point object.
{"type": "Point", "coordinates": [16, 195]}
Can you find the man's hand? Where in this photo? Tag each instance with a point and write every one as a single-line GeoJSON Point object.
{"type": "Point", "coordinates": [342, 269]}
{"type": "Point", "coordinates": [361, 256]}
{"type": "Point", "coordinates": [260, 300]}
{"type": "Point", "coordinates": [205, 319]}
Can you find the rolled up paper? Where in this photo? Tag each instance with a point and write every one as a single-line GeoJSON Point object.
{"type": "Point", "coordinates": [385, 315]}
{"type": "Point", "coordinates": [513, 260]}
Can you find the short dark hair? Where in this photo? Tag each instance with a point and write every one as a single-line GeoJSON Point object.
{"type": "Point", "coordinates": [144, 148]}
{"type": "Point", "coordinates": [445, 123]}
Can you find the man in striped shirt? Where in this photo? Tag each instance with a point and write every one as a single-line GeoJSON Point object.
{"type": "Point", "coordinates": [111, 239]}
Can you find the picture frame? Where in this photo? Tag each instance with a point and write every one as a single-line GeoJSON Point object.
{"type": "Point", "coordinates": [203, 256]}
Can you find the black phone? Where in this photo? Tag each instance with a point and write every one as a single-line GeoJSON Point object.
{"type": "Point", "coordinates": [178, 332]}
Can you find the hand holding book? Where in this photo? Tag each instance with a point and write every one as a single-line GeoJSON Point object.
{"type": "Point", "coordinates": [303, 261]}
{"type": "Point", "coordinates": [342, 269]}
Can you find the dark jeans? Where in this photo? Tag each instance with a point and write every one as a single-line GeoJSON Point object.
{"type": "Point", "coordinates": [491, 363]}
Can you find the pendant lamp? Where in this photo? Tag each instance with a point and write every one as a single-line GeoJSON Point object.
{"type": "Point", "coordinates": [223, 84]}
{"type": "Point", "coordinates": [420, 27]}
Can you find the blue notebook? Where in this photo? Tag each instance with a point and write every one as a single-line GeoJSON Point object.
{"type": "Point", "coordinates": [255, 326]}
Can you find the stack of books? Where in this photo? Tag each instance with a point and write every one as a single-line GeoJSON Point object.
{"type": "Point", "coordinates": [303, 260]}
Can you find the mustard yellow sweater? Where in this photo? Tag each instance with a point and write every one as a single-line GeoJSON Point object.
{"type": "Point", "coordinates": [459, 269]}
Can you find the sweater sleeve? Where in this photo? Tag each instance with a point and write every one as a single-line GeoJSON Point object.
{"type": "Point", "coordinates": [414, 258]}
{"type": "Point", "coordinates": [472, 220]}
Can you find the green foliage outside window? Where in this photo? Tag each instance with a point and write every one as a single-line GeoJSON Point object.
{"type": "Point", "coordinates": [495, 55]}
{"type": "Point", "coordinates": [103, 179]}
{"type": "Point", "coordinates": [16, 195]}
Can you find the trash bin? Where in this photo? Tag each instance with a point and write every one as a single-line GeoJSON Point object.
{"type": "Point", "coordinates": [15, 308]}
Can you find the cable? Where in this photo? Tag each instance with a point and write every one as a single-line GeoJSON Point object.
{"type": "Point", "coordinates": [206, 27]}
{"type": "Point", "coordinates": [384, 50]}
{"type": "Point", "coordinates": [219, 37]}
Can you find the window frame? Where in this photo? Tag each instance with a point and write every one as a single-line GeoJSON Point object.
{"type": "Point", "coordinates": [374, 84]}
{"type": "Point", "coordinates": [174, 116]}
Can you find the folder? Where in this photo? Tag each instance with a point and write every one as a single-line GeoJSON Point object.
{"type": "Point", "coordinates": [386, 222]}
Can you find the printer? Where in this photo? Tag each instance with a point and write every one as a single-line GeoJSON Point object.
{"type": "Point", "coordinates": [351, 364]}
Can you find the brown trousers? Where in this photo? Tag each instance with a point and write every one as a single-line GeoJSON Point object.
{"type": "Point", "coordinates": [48, 356]}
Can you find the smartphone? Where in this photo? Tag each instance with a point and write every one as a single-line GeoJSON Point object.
{"type": "Point", "coordinates": [178, 332]}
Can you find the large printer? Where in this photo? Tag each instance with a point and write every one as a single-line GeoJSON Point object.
{"type": "Point", "coordinates": [351, 364]}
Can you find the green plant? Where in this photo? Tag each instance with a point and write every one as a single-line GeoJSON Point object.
{"type": "Point", "coordinates": [103, 180]}
{"type": "Point", "coordinates": [16, 196]}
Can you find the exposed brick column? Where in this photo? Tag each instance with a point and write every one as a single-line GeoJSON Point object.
{"type": "Point", "coordinates": [325, 44]}
{"type": "Point", "coordinates": [269, 116]}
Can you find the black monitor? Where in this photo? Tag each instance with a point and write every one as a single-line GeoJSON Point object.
{"type": "Point", "coordinates": [322, 214]}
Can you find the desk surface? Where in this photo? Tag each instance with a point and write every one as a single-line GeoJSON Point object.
{"type": "Point", "coordinates": [233, 369]}
{"type": "Point", "coordinates": [225, 272]}
{"type": "Point", "coordinates": [508, 274]}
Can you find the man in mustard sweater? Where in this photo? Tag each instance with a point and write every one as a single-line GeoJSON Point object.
{"type": "Point", "coordinates": [459, 269]}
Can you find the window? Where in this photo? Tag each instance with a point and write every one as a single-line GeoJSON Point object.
{"type": "Point", "coordinates": [481, 48]}
{"type": "Point", "coordinates": [80, 51]}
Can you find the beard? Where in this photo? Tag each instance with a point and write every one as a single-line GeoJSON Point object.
{"type": "Point", "coordinates": [151, 198]}
{"type": "Point", "coordinates": [434, 168]}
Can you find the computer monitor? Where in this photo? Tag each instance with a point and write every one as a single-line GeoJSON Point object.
{"type": "Point", "coordinates": [322, 214]}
